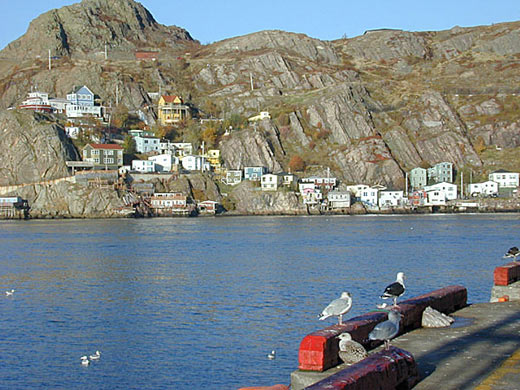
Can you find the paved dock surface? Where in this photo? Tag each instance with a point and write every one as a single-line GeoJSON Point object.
{"type": "Point", "coordinates": [481, 350]}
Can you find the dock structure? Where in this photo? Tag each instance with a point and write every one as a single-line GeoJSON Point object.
{"type": "Point", "coordinates": [13, 207]}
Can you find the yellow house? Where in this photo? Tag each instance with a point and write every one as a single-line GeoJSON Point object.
{"type": "Point", "coordinates": [171, 109]}
{"type": "Point", "coordinates": [213, 158]}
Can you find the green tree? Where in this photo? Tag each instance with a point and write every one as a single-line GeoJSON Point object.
{"type": "Point", "coordinates": [129, 145]}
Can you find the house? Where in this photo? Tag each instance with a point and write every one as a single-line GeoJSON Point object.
{"type": "Point", "coordinates": [59, 105]}
{"type": "Point", "coordinates": [36, 101]}
{"type": "Point", "coordinates": [417, 198]}
{"type": "Point", "coordinates": [232, 177]}
{"type": "Point", "coordinates": [435, 197]}
{"type": "Point", "coordinates": [356, 190]}
{"type": "Point", "coordinates": [487, 188]}
{"type": "Point", "coordinates": [143, 166]}
{"type": "Point", "coordinates": [391, 198]}
{"type": "Point", "coordinates": [195, 163]}
{"type": "Point", "coordinates": [338, 199]}
{"type": "Point", "coordinates": [103, 156]}
{"type": "Point", "coordinates": [143, 55]}
{"type": "Point", "coordinates": [322, 183]}
{"type": "Point", "coordinates": [81, 104]}
{"type": "Point", "coordinates": [171, 109]}
{"type": "Point", "coordinates": [418, 178]}
{"type": "Point", "coordinates": [288, 179]}
{"type": "Point", "coordinates": [259, 117]}
{"type": "Point", "coordinates": [441, 172]}
{"type": "Point", "coordinates": [270, 182]}
{"type": "Point", "coordinates": [311, 196]}
{"type": "Point", "coordinates": [140, 133]}
{"type": "Point", "coordinates": [208, 207]}
{"type": "Point", "coordinates": [254, 173]}
{"type": "Point", "coordinates": [449, 189]}
{"type": "Point", "coordinates": [168, 200]}
{"type": "Point", "coordinates": [164, 162]}
{"type": "Point", "coordinates": [213, 157]}
{"type": "Point", "coordinates": [147, 144]}
{"type": "Point", "coordinates": [505, 179]}
{"type": "Point", "coordinates": [369, 197]}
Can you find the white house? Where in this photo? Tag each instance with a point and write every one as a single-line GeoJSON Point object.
{"type": "Point", "coordinates": [261, 116]}
{"type": "Point", "coordinates": [81, 104]}
{"type": "Point", "coordinates": [168, 200]}
{"type": "Point", "coordinates": [164, 162]}
{"type": "Point", "coordinates": [59, 105]}
{"type": "Point", "coordinates": [369, 196]}
{"type": "Point", "coordinates": [288, 179]}
{"type": "Point", "coordinates": [233, 176]}
{"type": "Point", "coordinates": [146, 144]}
{"type": "Point", "coordinates": [143, 166]}
{"type": "Point", "coordinates": [435, 197]}
{"type": "Point", "coordinates": [195, 163]}
{"type": "Point", "coordinates": [270, 182]}
{"type": "Point", "coordinates": [449, 189]}
{"type": "Point", "coordinates": [505, 179]}
{"type": "Point", "coordinates": [338, 199]}
{"type": "Point", "coordinates": [487, 188]}
{"type": "Point", "coordinates": [391, 198]}
{"type": "Point", "coordinates": [311, 196]}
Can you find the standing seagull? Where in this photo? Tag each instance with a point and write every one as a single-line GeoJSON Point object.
{"type": "Point", "coordinates": [337, 307]}
{"type": "Point", "coordinates": [387, 329]}
{"type": "Point", "coordinates": [350, 351]}
{"type": "Point", "coordinates": [396, 289]}
{"type": "Point", "coordinates": [512, 252]}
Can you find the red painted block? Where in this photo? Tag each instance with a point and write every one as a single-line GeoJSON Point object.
{"type": "Point", "coordinates": [385, 370]}
{"type": "Point", "coordinates": [507, 274]}
{"type": "Point", "coordinates": [319, 350]}
{"type": "Point", "coordinates": [275, 387]}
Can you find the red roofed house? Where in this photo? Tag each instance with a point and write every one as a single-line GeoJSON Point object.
{"type": "Point", "coordinates": [143, 55]}
{"type": "Point", "coordinates": [171, 109]}
{"type": "Point", "coordinates": [103, 156]}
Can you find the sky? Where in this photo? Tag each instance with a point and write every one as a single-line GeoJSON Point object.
{"type": "Point", "coordinates": [214, 20]}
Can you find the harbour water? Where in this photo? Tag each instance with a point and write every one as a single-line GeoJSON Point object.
{"type": "Point", "coordinates": [199, 303]}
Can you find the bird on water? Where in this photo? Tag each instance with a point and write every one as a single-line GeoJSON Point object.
{"type": "Point", "coordinates": [513, 252]}
{"type": "Point", "coordinates": [272, 355]}
{"type": "Point", "coordinates": [8, 293]}
{"type": "Point", "coordinates": [338, 307]}
{"type": "Point", "coordinates": [396, 289]}
{"type": "Point", "coordinates": [388, 329]}
{"type": "Point", "coordinates": [84, 361]}
{"type": "Point", "coordinates": [95, 356]}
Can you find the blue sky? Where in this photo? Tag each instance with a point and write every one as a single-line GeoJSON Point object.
{"type": "Point", "coordinates": [212, 20]}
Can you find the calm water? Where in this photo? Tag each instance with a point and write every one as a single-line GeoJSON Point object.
{"type": "Point", "coordinates": [173, 303]}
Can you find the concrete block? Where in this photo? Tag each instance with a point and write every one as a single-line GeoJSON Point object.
{"type": "Point", "coordinates": [512, 291]}
{"type": "Point", "coordinates": [385, 370]}
{"type": "Point", "coordinates": [319, 350]}
{"type": "Point", "coordinates": [507, 274]}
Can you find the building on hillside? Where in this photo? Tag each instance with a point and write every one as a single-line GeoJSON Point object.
{"type": "Point", "coordinates": [254, 173]}
{"type": "Point", "coordinates": [369, 197]}
{"type": "Point", "coordinates": [321, 183]}
{"type": "Point", "coordinates": [144, 55]}
{"type": "Point", "coordinates": [59, 105]}
{"type": "Point", "coordinates": [310, 195]}
{"type": "Point", "coordinates": [195, 163]}
{"type": "Point", "coordinates": [232, 177]}
{"type": "Point", "coordinates": [36, 101]}
{"type": "Point", "coordinates": [338, 199]}
{"type": "Point", "coordinates": [171, 109]}
{"type": "Point", "coordinates": [418, 178]}
{"type": "Point", "coordinates": [391, 198]}
{"type": "Point", "coordinates": [140, 133]}
{"type": "Point", "coordinates": [270, 182]}
{"type": "Point", "coordinates": [441, 172]}
{"type": "Point", "coordinates": [505, 179]}
{"type": "Point", "coordinates": [449, 189]}
{"type": "Point", "coordinates": [208, 207]}
{"type": "Point", "coordinates": [82, 104]}
{"type": "Point", "coordinates": [213, 157]}
{"type": "Point", "coordinates": [168, 201]}
{"type": "Point", "coordinates": [263, 115]}
{"type": "Point", "coordinates": [143, 166]}
{"type": "Point", "coordinates": [103, 156]}
{"type": "Point", "coordinates": [288, 179]}
{"type": "Point", "coordinates": [356, 190]}
{"type": "Point", "coordinates": [165, 162]}
{"type": "Point", "coordinates": [147, 144]}
{"type": "Point", "coordinates": [487, 188]}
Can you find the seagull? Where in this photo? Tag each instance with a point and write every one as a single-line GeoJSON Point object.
{"type": "Point", "coordinates": [8, 293]}
{"type": "Point", "coordinates": [396, 289]}
{"type": "Point", "coordinates": [337, 307]}
{"type": "Point", "coordinates": [95, 356]}
{"type": "Point", "coordinates": [387, 329]}
{"type": "Point", "coordinates": [84, 361]}
{"type": "Point", "coordinates": [512, 252]}
{"type": "Point", "coordinates": [272, 355]}
{"type": "Point", "coordinates": [350, 351]}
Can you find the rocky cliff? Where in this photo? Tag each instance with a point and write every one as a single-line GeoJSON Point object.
{"type": "Point", "coordinates": [369, 108]}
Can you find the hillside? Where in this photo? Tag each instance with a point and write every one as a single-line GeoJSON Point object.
{"type": "Point", "coordinates": [370, 108]}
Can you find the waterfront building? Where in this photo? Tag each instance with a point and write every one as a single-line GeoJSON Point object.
{"type": "Point", "coordinates": [505, 179]}
{"type": "Point", "coordinates": [487, 188]}
{"type": "Point", "coordinates": [208, 207]}
{"type": "Point", "coordinates": [418, 178]}
{"type": "Point", "coordinates": [270, 182]}
{"type": "Point", "coordinates": [338, 199]}
{"type": "Point", "coordinates": [369, 197]}
{"type": "Point", "coordinates": [310, 195]}
{"type": "Point", "coordinates": [417, 198]}
{"type": "Point", "coordinates": [435, 197]}
{"type": "Point", "coordinates": [254, 173]}
{"type": "Point", "coordinates": [441, 172]}
{"type": "Point", "coordinates": [103, 156]}
{"type": "Point", "coordinates": [391, 198]}
{"type": "Point", "coordinates": [449, 189]}
{"type": "Point", "coordinates": [168, 200]}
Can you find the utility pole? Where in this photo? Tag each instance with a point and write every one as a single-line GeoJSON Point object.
{"type": "Point", "coordinates": [251, 80]}
{"type": "Point", "coordinates": [461, 184]}
{"type": "Point", "coordinates": [406, 183]}
{"type": "Point", "coordinates": [50, 66]}
{"type": "Point", "coordinates": [117, 93]}
{"type": "Point", "coordinates": [106, 51]}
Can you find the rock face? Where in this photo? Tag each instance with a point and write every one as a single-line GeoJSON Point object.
{"type": "Point", "coordinates": [87, 26]}
{"type": "Point", "coordinates": [34, 148]}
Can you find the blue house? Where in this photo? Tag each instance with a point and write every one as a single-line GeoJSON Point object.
{"type": "Point", "coordinates": [254, 173]}
{"type": "Point", "coordinates": [81, 97]}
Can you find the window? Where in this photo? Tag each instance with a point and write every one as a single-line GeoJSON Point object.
{"type": "Point", "coordinates": [109, 160]}
{"type": "Point", "coordinates": [95, 152]}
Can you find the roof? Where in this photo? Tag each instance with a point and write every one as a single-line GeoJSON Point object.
{"type": "Point", "coordinates": [170, 98]}
{"type": "Point", "coordinates": [106, 146]}
{"type": "Point", "coordinates": [502, 171]}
